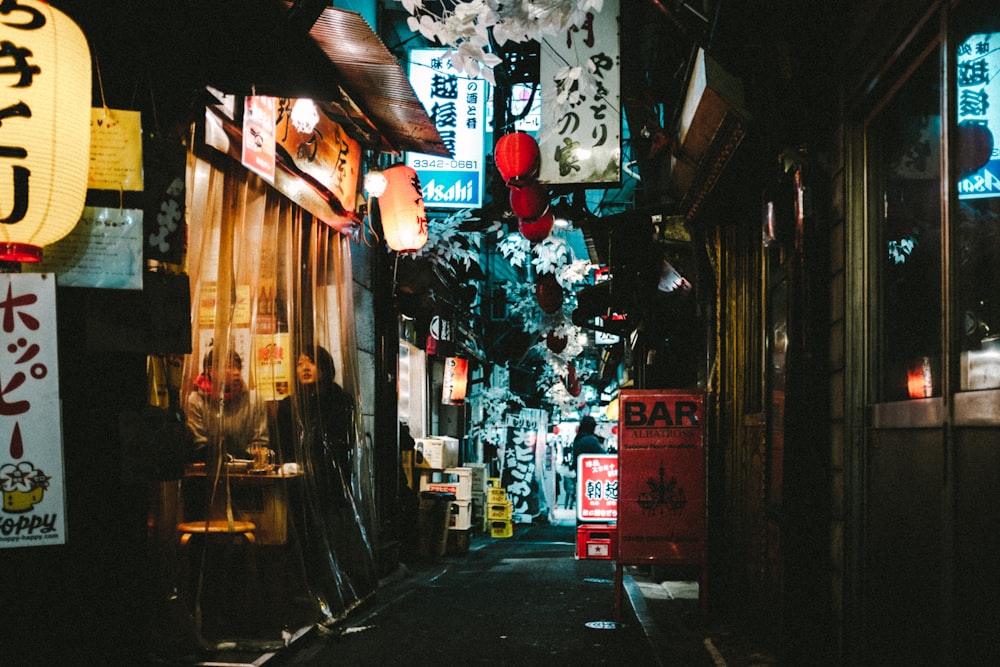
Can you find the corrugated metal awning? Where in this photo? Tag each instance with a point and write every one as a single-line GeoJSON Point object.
{"type": "Point", "coordinates": [373, 78]}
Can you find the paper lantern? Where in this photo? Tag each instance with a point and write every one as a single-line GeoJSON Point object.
{"type": "Point", "coordinates": [529, 201]}
{"type": "Point", "coordinates": [517, 157]}
{"type": "Point", "coordinates": [556, 343]}
{"type": "Point", "coordinates": [45, 131]}
{"type": "Point", "coordinates": [548, 293]}
{"type": "Point", "coordinates": [455, 381]}
{"type": "Point", "coordinates": [537, 229]}
{"type": "Point", "coordinates": [401, 206]}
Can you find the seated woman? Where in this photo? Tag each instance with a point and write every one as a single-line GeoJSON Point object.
{"type": "Point", "coordinates": [223, 410]}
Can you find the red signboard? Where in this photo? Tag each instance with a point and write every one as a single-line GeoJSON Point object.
{"type": "Point", "coordinates": [597, 488]}
{"type": "Point", "coordinates": [661, 476]}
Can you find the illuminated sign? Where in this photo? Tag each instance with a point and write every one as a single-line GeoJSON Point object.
{"type": "Point", "coordinates": [456, 105]}
{"type": "Point", "coordinates": [977, 62]}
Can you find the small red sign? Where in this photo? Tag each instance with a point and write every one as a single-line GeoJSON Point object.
{"type": "Point", "coordinates": [661, 459]}
{"type": "Point", "coordinates": [597, 487]}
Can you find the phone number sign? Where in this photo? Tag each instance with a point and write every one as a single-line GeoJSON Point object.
{"type": "Point", "coordinates": [662, 511]}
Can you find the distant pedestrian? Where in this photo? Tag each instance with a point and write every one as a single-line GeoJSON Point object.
{"type": "Point", "coordinates": [586, 442]}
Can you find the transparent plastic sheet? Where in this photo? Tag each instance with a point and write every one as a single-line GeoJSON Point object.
{"type": "Point", "coordinates": [268, 531]}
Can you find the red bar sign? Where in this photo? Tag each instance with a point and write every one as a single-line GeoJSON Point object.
{"type": "Point", "coordinates": [661, 472]}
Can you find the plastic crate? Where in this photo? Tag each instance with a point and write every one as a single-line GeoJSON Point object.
{"type": "Point", "coordinates": [596, 541]}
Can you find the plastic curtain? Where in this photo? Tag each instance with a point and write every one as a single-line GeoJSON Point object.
{"type": "Point", "coordinates": [275, 509]}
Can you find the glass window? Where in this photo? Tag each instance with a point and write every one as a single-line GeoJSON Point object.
{"type": "Point", "coordinates": [905, 159]}
{"type": "Point", "coordinates": [977, 104]}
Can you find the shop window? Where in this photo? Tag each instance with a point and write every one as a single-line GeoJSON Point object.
{"type": "Point", "coordinates": [905, 205]}
{"type": "Point", "coordinates": [977, 171]}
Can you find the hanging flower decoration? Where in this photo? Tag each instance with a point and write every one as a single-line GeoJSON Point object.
{"type": "Point", "coordinates": [447, 243]}
{"type": "Point", "coordinates": [550, 256]}
{"type": "Point", "coordinates": [464, 26]}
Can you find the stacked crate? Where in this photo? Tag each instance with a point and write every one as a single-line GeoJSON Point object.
{"type": "Point", "coordinates": [499, 511]}
{"type": "Point", "coordinates": [479, 497]}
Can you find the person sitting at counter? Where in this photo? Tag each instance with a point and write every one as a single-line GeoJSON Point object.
{"type": "Point", "coordinates": [223, 410]}
{"type": "Point", "coordinates": [319, 417]}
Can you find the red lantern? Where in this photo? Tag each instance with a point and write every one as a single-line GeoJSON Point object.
{"type": "Point", "coordinates": [548, 293]}
{"type": "Point", "coordinates": [556, 343]}
{"type": "Point", "coordinates": [455, 381]}
{"type": "Point", "coordinates": [404, 222]}
{"type": "Point", "coordinates": [537, 229]}
{"type": "Point", "coordinates": [517, 157]}
{"type": "Point", "coordinates": [529, 201]}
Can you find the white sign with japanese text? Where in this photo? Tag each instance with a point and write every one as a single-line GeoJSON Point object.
{"type": "Point", "coordinates": [456, 105]}
{"type": "Point", "coordinates": [31, 458]}
{"type": "Point", "coordinates": [580, 140]}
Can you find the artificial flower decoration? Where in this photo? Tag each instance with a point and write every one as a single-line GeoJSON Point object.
{"type": "Point", "coordinates": [464, 26]}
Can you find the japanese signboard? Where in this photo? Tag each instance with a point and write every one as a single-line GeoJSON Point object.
{"type": "Point", "coordinates": [977, 82]}
{"type": "Point", "coordinates": [581, 128]}
{"type": "Point", "coordinates": [456, 105]}
{"type": "Point", "coordinates": [31, 466]}
{"type": "Point", "coordinates": [258, 136]}
{"type": "Point", "coordinates": [597, 488]}
{"type": "Point", "coordinates": [661, 461]}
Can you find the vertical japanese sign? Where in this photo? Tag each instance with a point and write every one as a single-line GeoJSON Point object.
{"type": "Point", "coordinates": [581, 125]}
{"type": "Point", "coordinates": [978, 61]}
{"type": "Point", "coordinates": [31, 467]}
{"type": "Point", "coordinates": [661, 469]}
{"type": "Point", "coordinates": [259, 153]}
{"type": "Point", "coordinates": [597, 488]}
{"type": "Point", "coordinates": [456, 105]}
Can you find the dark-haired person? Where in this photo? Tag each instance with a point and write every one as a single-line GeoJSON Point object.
{"type": "Point", "coordinates": [222, 409]}
{"type": "Point", "coordinates": [317, 429]}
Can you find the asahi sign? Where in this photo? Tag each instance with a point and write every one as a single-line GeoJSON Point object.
{"type": "Point", "coordinates": [661, 473]}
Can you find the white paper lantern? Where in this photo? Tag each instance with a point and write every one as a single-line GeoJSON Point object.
{"type": "Point", "coordinates": [45, 143]}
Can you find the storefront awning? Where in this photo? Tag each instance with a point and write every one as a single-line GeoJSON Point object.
{"type": "Point", "coordinates": [260, 47]}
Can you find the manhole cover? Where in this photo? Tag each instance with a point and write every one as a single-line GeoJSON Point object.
{"type": "Point", "coordinates": [604, 625]}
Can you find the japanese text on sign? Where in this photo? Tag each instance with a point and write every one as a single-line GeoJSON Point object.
{"type": "Point", "coordinates": [30, 429]}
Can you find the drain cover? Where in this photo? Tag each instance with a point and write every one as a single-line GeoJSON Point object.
{"type": "Point", "coordinates": [604, 625]}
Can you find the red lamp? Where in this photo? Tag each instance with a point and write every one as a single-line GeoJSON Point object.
{"type": "Point", "coordinates": [556, 343]}
{"type": "Point", "coordinates": [517, 157]}
{"type": "Point", "coordinates": [529, 201]}
{"type": "Point", "coordinates": [548, 293]}
{"type": "Point", "coordinates": [455, 381]}
{"type": "Point", "coordinates": [404, 221]}
{"type": "Point", "coordinates": [536, 229]}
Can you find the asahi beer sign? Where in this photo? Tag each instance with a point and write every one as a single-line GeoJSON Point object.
{"type": "Point", "coordinates": [661, 473]}
{"type": "Point", "coordinates": [978, 105]}
{"type": "Point", "coordinates": [456, 105]}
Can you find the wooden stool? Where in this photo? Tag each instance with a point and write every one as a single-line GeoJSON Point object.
{"type": "Point", "coordinates": [240, 529]}
{"type": "Point", "coordinates": [222, 592]}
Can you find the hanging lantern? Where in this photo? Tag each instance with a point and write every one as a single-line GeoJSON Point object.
{"type": "Point", "coordinates": [555, 343]}
{"type": "Point", "coordinates": [45, 130]}
{"type": "Point", "coordinates": [548, 292]}
{"type": "Point", "coordinates": [401, 206]}
{"type": "Point", "coordinates": [517, 157]}
{"type": "Point", "coordinates": [572, 382]}
{"type": "Point", "coordinates": [529, 201]}
{"type": "Point", "coordinates": [455, 381]}
{"type": "Point", "coordinates": [537, 229]}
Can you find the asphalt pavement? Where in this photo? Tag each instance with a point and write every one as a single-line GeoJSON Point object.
{"type": "Point", "coordinates": [525, 600]}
